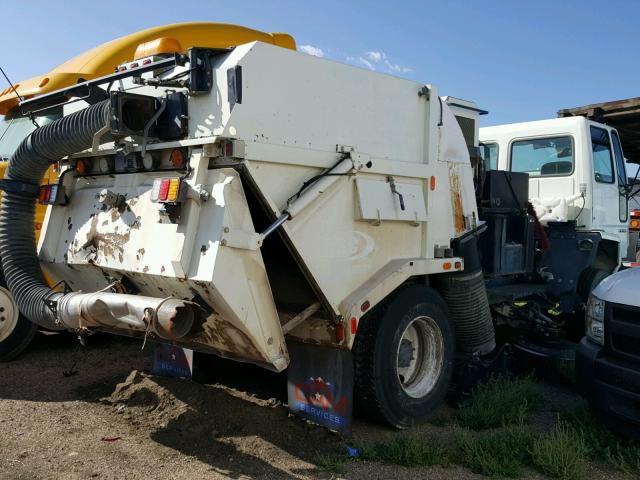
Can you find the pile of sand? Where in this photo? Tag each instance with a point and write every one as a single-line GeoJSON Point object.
{"type": "Point", "coordinates": [141, 397]}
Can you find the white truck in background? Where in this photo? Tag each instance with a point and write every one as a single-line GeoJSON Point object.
{"type": "Point", "coordinates": [577, 173]}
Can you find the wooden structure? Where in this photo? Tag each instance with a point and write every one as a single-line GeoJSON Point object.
{"type": "Point", "coordinates": [623, 115]}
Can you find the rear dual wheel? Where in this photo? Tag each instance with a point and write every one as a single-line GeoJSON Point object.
{"type": "Point", "coordinates": [404, 356]}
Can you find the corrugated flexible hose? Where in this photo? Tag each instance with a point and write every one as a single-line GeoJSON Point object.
{"type": "Point", "coordinates": [28, 164]}
{"type": "Point", "coordinates": [466, 296]}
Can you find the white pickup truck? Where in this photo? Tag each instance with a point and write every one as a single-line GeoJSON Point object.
{"type": "Point", "coordinates": [608, 358]}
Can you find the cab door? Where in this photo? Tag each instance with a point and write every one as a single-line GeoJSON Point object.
{"type": "Point", "coordinates": [609, 176]}
{"type": "Point", "coordinates": [621, 173]}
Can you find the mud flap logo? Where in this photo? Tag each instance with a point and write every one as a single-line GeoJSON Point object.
{"type": "Point", "coordinates": [325, 396]}
{"type": "Point", "coordinates": [320, 401]}
{"type": "Point", "coordinates": [172, 361]}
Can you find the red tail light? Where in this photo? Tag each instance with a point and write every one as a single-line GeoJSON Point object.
{"type": "Point", "coordinates": [164, 189]}
{"type": "Point", "coordinates": [51, 194]}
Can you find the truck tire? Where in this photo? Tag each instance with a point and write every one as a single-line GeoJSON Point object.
{"type": "Point", "coordinates": [404, 356]}
{"type": "Point", "coordinates": [16, 331]}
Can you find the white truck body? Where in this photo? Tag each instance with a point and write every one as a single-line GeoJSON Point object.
{"type": "Point", "coordinates": [288, 211]}
{"type": "Point", "coordinates": [299, 115]}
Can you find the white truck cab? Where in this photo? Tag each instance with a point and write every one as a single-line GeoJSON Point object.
{"type": "Point", "coordinates": [576, 173]}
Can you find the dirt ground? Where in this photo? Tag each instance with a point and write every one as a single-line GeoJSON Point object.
{"type": "Point", "coordinates": [108, 418]}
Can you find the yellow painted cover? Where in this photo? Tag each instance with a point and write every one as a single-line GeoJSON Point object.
{"type": "Point", "coordinates": [103, 59]}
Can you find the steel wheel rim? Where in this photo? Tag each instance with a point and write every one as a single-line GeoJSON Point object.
{"type": "Point", "coordinates": [420, 357]}
{"type": "Point", "coordinates": [8, 314]}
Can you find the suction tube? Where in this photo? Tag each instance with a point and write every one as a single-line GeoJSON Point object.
{"type": "Point", "coordinates": [28, 164]}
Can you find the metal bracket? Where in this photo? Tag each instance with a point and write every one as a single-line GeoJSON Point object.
{"type": "Point", "coordinates": [199, 193]}
{"type": "Point", "coordinates": [345, 149]}
{"type": "Point", "coordinates": [152, 120]}
{"type": "Point", "coordinates": [53, 304]}
{"type": "Point", "coordinates": [359, 160]}
{"type": "Point", "coordinates": [125, 147]}
{"type": "Point", "coordinates": [95, 144]}
{"type": "Point", "coordinates": [62, 96]}
{"type": "Point", "coordinates": [241, 239]}
{"type": "Point", "coordinates": [211, 150]}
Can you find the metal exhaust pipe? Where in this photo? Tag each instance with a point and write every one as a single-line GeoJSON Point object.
{"type": "Point", "coordinates": [168, 318]}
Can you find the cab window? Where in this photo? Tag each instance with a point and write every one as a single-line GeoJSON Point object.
{"type": "Point", "coordinates": [543, 157]}
{"type": "Point", "coordinates": [602, 158]}
{"type": "Point", "coordinates": [489, 155]}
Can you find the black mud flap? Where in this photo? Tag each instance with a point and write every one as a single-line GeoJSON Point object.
{"type": "Point", "coordinates": [320, 385]}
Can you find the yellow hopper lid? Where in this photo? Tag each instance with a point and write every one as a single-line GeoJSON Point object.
{"type": "Point", "coordinates": [103, 59]}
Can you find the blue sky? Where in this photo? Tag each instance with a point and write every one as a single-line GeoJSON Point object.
{"type": "Point", "coordinates": [519, 60]}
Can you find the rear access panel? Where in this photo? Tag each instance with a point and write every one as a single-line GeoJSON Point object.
{"type": "Point", "coordinates": [206, 252]}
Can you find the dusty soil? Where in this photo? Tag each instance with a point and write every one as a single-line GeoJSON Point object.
{"type": "Point", "coordinates": [106, 417]}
